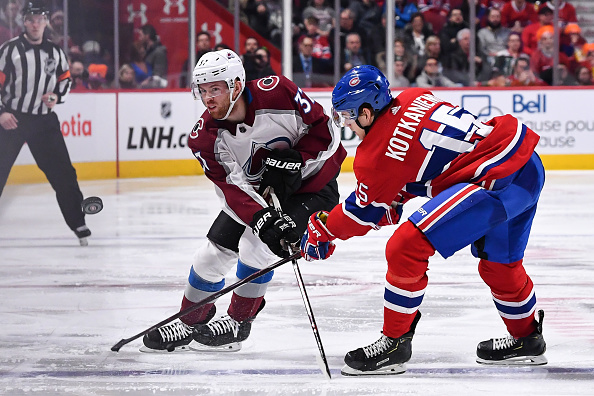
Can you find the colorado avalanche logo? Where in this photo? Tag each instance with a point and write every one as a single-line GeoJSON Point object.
{"type": "Point", "coordinates": [268, 83]}
{"type": "Point", "coordinates": [197, 127]}
{"type": "Point", "coordinates": [254, 166]}
{"type": "Point", "coordinates": [354, 81]}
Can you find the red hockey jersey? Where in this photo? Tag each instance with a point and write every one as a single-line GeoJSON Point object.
{"type": "Point", "coordinates": [419, 146]}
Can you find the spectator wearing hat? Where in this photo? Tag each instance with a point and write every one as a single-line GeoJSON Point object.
{"type": "Point", "coordinates": [566, 11]}
{"type": "Point", "coordinates": [542, 58]}
{"type": "Point", "coordinates": [517, 14]}
{"type": "Point", "coordinates": [97, 74]}
{"type": "Point", "coordinates": [545, 18]}
{"type": "Point", "coordinates": [574, 42]}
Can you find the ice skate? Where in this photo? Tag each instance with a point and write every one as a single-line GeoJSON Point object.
{"type": "Point", "coordinates": [509, 351]}
{"type": "Point", "coordinates": [173, 337]}
{"type": "Point", "coordinates": [82, 233]}
{"type": "Point", "coordinates": [386, 356]}
{"type": "Point", "coordinates": [224, 334]}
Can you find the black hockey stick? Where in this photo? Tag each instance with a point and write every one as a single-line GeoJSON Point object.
{"type": "Point", "coordinates": [211, 298]}
{"type": "Point", "coordinates": [310, 314]}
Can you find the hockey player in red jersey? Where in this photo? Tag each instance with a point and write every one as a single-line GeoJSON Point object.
{"type": "Point", "coordinates": [253, 135]}
{"type": "Point", "coordinates": [483, 181]}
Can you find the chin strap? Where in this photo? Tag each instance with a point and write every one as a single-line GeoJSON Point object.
{"type": "Point", "coordinates": [366, 129]}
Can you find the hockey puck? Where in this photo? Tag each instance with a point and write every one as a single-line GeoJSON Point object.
{"type": "Point", "coordinates": [92, 205]}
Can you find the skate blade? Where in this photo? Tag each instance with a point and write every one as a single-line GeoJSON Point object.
{"type": "Point", "coordinates": [179, 349]}
{"type": "Point", "coordinates": [516, 361]}
{"type": "Point", "coordinates": [83, 241]}
{"type": "Point", "coordinates": [387, 370]}
{"type": "Point", "coordinates": [198, 347]}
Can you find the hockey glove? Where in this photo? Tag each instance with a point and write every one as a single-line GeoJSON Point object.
{"type": "Point", "coordinates": [275, 229]}
{"type": "Point", "coordinates": [316, 243]}
{"type": "Point", "coordinates": [282, 172]}
{"type": "Point", "coordinates": [392, 216]}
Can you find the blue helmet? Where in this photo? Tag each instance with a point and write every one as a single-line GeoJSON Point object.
{"type": "Point", "coordinates": [360, 85]}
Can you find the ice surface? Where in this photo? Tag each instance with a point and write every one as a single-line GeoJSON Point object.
{"type": "Point", "coordinates": [63, 306]}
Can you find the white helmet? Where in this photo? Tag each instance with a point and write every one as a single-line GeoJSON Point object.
{"type": "Point", "coordinates": [224, 65]}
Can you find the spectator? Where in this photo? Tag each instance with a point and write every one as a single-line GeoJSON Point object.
{"type": "Point", "coordinates": [321, 48]}
{"type": "Point", "coordinates": [79, 75]}
{"type": "Point", "coordinates": [307, 70]}
{"type": "Point", "coordinates": [258, 15]}
{"type": "Point", "coordinates": [250, 46]}
{"type": "Point", "coordinates": [91, 52]}
{"type": "Point", "coordinates": [439, 6]}
{"type": "Point", "coordinates": [9, 25]}
{"type": "Point", "coordinates": [575, 45]}
{"type": "Point", "coordinates": [457, 64]}
{"type": "Point", "coordinates": [565, 77]}
{"type": "Point", "coordinates": [142, 70]}
{"type": "Point", "coordinates": [432, 50]}
{"type": "Point", "coordinates": [545, 18]}
{"type": "Point", "coordinates": [156, 52]}
{"type": "Point", "coordinates": [56, 30]}
{"type": "Point", "coordinates": [97, 75]}
{"type": "Point", "coordinates": [517, 14]}
{"type": "Point", "coordinates": [523, 76]}
{"type": "Point", "coordinates": [399, 51]}
{"type": "Point", "coordinates": [404, 10]}
{"type": "Point", "coordinates": [221, 46]}
{"type": "Point", "coordinates": [347, 25]}
{"type": "Point", "coordinates": [505, 59]}
{"type": "Point", "coordinates": [352, 55]}
{"type": "Point", "coordinates": [447, 36]}
{"type": "Point", "coordinates": [583, 76]}
{"type": "Point", "coordinates": [566, 11]}
{"type": "Point", "coordinates": [203, 45]}
{"type": "Point", "coordinates": [415, 35]}
{"type": "Point", "coordinates": [400, 79]}
{"type": "Point", "coordinates": [368, 13]}
{"type": "Point", "coordinates": [431, 77]}
{"type": "Point", "coordinates": [480, 11]}
{"type": "Point", "coordinates": [262, 65]}
{"type": "Point", "coordinates": [493, 37]}
{"type": "Point", "coordinates": [323, 12]}
{"type": "Point", "coordinates": [126, 77]}
{"type": "Point", "coordinates": [542, 58]}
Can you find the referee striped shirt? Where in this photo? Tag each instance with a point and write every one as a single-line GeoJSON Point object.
{"type": "Point", "coordinates": [28, 71]}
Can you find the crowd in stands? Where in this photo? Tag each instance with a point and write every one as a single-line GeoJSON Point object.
{"type": "Point", "coordinates": [514, 41]}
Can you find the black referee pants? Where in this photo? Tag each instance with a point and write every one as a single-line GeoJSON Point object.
{"type": "Point", "coordinates": [43, 135]}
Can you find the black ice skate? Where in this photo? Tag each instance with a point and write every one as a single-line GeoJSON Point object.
{"type": "Point", "coordinates": [173, 337]}
{"type": "Point", "coordinates": [386, 356]}
{"type": "Point", "coordinates": [223, 334]}
{"type": "Point", "coordinates": [82, 233]}
{"type": "Point", "coordinates": [508, 351]}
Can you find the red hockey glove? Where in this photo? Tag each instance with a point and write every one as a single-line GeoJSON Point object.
{"type": "Point", "coordinates": [316, 243]}
{"type": "Point", "coordinates": [392, 216]}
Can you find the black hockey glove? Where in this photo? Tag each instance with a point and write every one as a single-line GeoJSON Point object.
{"type": "Point", "coordinates": [282, 172]}
{"type": "Point", "coordinates": [273, 227]}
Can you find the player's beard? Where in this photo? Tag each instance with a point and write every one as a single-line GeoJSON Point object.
{"type": "Point", "coordinates": [220, 110]}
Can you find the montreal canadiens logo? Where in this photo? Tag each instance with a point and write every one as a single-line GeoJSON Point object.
{"type": "Point", "coordinates": [354, 81]}
{"type": "Point", "coordinates": [268, 83]}
{"type": "Point", "coordinates": [197, 127]}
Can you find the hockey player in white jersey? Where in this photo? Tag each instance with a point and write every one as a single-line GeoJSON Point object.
{"type": "Point", "coordinates": [253, 135]}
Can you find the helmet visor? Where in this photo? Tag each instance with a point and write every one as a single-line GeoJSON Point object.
{"type": "Point", "coordinates": [343, 118]}
{"type": "Point", "coordinates": [210, 92]}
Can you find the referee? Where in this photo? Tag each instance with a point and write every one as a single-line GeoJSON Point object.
{"type": "Point", "coordinates": [34, 77]}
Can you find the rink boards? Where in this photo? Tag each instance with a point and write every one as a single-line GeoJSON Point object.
{"type": "Point", "coordinates": [113, 134]}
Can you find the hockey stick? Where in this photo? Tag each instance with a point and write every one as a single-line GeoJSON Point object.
{"type": "Point", "coordinates": [293, 257]}
{"type": "Point", "coordinates": [324, 364]}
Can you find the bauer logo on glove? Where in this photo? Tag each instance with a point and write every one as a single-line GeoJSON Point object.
{"type": "Point", "coordinates": [316, 243]}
